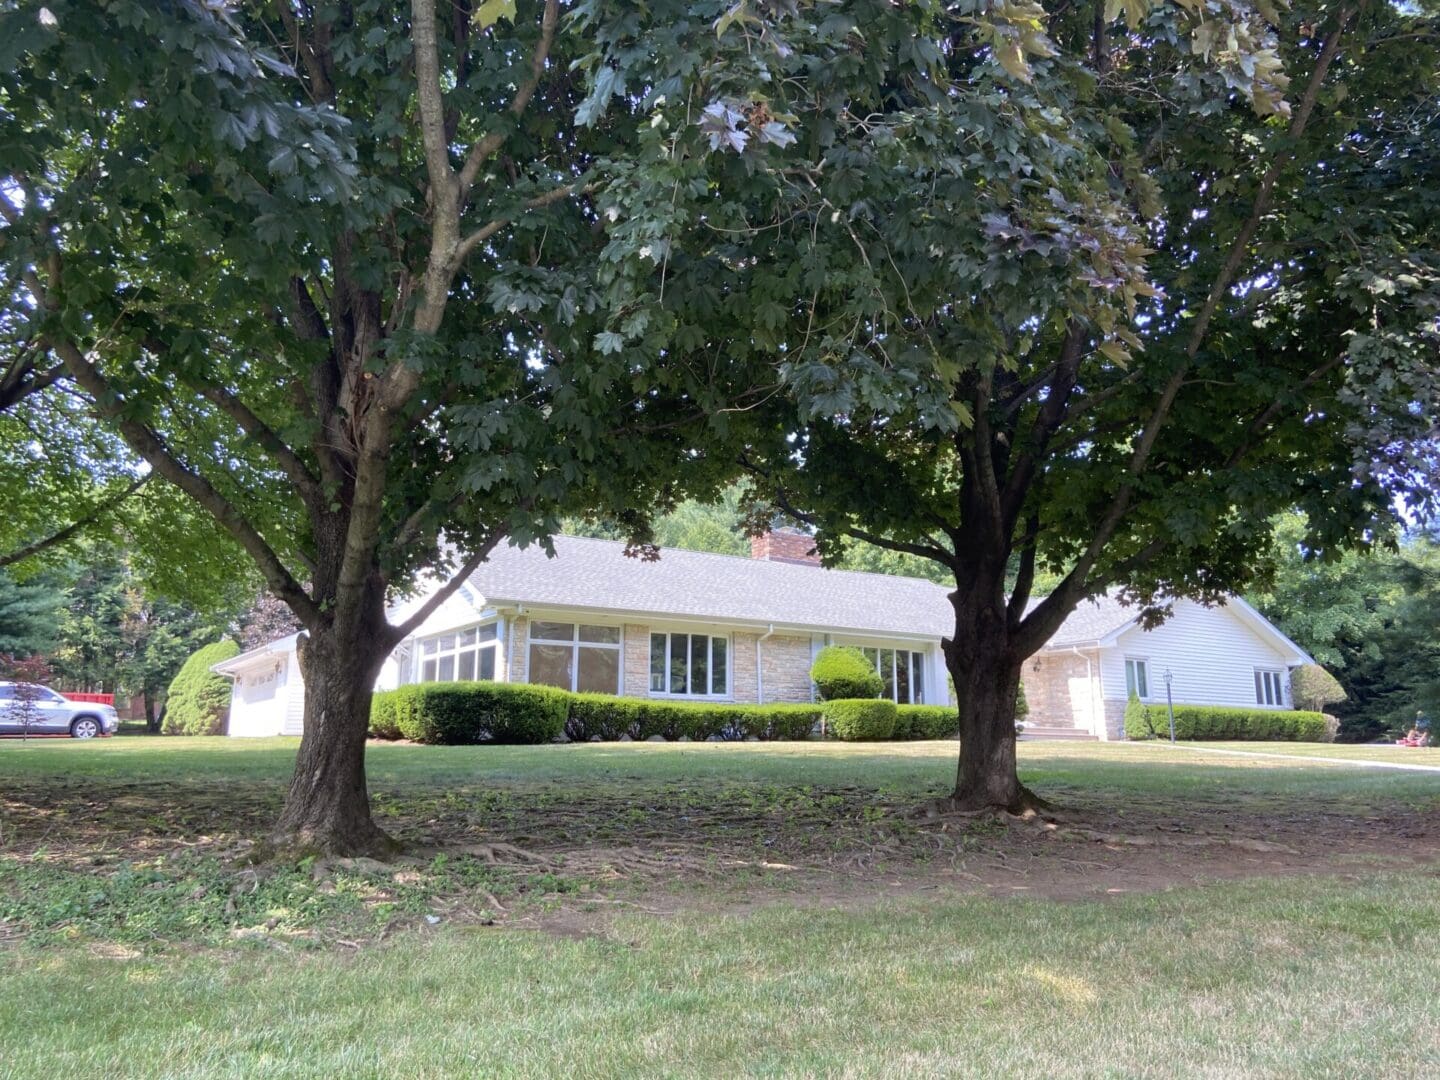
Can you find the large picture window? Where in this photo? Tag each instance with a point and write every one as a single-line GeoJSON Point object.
{"type": "Point", "coordinates": [903, 672]}
{"type": "Point", "coordinates": [575, 657]}
{"type": "Point", "coordinates": [460, 656]}
{"type": "Point", "coordinates": [1137, 678]}
{"type": "Point", "coordinates": [689, 665]}
{"type": "Point", "coordinates": [1269, 687]}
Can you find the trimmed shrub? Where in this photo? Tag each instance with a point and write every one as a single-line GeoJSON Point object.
{"type": "Point", "coordinates": [776, 722]}
{"type": "Point", "coordinates": [390, 711]}
{"type": "Point", "coordinates": [198, 701]}
{"type": "Point", "coordinates": [1022, 704]}
{"type": "Point", "coordinates": [609, 718]}
{"type": "Point", "coordinates": [860, 719]}
{"type": "Point", "coordinates": [1219, 722]}
{"type": "Point", "coordinates": [926, 722]}
{"type": "Point", "coordinates": [1312, 688]}
{"type": "Point", "coordinates": [842, 672]}
{"type": "Point", "coordinates": [466, 713]}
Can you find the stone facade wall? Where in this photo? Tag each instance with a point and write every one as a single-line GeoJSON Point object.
{"type": "Point", "coordinates": [1062, 689]}
{"type": "Point", "coordinates": [785, 665]}
{"type": "Point", "coordinates": [1114, 719]}
{"type": "Point", "coordinates": [635, 678]}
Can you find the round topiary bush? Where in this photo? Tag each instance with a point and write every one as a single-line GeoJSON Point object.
{"type": "Point", "coordinates": [198, 700]}
{"type": "Point", "coordinates": [1312, 688]}
{"type": "Point", "coordinates": [840, 671]}
{"type": "Point", "coordinates": [860, 719]}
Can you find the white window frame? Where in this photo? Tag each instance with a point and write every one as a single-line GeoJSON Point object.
{"type": "Point", "coordinates": [1141, 663]}
{"type": "Point", "coordinates": [576, 644]}
{"type": "Point", "coordinates": [917, 685]}
{"type": "Point", "coordinates": [689, 695]}
{"type": "Point", "coordinates": [456, 650]}
{"type": "Point", "coordinates": [1267, 681]}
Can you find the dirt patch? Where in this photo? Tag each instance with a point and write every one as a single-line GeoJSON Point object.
{"type": "Point", "coordinates": [576, 856]}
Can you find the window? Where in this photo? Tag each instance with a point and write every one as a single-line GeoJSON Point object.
{"type": "Point", "coordinates": [464, 655]}
{"type": "Point", "coordinates": [1269, 689]}
{"type": "Point", "coordinates": [575, 657]}
{"type": "Point", "coordinates": [903, 672]}
{"type": "Point", "coordinates": [1137, 678]}
{"type": "Point", "coordinates": [689, 665]}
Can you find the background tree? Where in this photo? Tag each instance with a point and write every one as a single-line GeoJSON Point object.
{"type": "Point", "coordinates": [1092, 290]}
{"type": "Point", "coordinates": [29, 614]}
{"type": "Point", "coordinates": [1369, 617]}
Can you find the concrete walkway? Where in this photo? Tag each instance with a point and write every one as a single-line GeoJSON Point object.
{"type": "Point", "coordinates": [1401, 765]}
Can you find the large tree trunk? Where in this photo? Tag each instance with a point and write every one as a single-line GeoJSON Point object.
{"type": "Point", "coordinates": [327, 808]}
{"type": "Point", "coordinates": [986, 670]}
{"type": "Point", "coordinates": [152, 714]}
{"type": "Point", "coordinates": [986, 777]}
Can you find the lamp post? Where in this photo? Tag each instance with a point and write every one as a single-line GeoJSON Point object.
{"type": "Point", "coordinates": [1170, 703]}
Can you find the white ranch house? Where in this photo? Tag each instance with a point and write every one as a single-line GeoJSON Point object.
{"type": "Point", "coordinates": [693, 626]}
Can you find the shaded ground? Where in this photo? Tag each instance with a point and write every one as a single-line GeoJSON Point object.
{"type": "Point", "coordinates": [144, 847]}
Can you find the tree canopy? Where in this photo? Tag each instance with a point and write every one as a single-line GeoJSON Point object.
{"type": "Point", "coordinates": [1090, 290]}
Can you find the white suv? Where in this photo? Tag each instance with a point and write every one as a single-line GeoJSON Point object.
{"type": "Point", "coordinates": [27, 709]}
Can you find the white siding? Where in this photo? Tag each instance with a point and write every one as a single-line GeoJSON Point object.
{"type": "Point", "coordinates": [1210, 652]}
{"type": "Point", "coordinates": [258, 702]}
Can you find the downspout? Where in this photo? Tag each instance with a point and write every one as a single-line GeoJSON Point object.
{"type": "Point", "coordinates": [759, 667]}
{"type": "Point", "coordinates": [1090, 688]}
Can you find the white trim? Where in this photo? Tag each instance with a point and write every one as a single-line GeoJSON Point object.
{"type": "Point", "coordinates": [576, 643]}
{"type": "Point", "coordinates": [1267, 679]}
{"type": "Point", "coordinates": [728, 694]}
{"type": "Point", "coordinates": [457, 648]}
{"type": "Point", "coordinates": [1148, 695]}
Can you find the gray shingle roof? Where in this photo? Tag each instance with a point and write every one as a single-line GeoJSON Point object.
{"type": "Point", "coordinates": [596, 574]}
{"type": "Point", "coordinates": [588, 573]}
{"type": "Point", "coordinates": [1091, 621]}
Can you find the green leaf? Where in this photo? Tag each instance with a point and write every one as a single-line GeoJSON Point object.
{"type": "Point", "coordinates": [492, 11]}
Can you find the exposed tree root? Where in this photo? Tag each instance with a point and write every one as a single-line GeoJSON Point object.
{"type": "Point", "coordinates": [499, 854]}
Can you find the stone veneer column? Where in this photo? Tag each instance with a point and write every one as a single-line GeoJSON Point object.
{"type": "Point", "coordinates": [742, 667]}
{"type": "Point", "coordinates": [517, 655]}
{"type": "Point", "coordinates": [635, 661]}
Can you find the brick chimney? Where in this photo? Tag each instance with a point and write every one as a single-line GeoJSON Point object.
{"type": "Point", "coordinates": [785, 545]}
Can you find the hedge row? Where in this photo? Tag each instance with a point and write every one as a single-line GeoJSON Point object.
{"type": "Point", "coordinates": [610, 718]}
{"type": "Point", "coordinates": [452, 714]}
{"type": "Point", "coordinates": [465, 713]}
{"type": "Point", "coordinates": [1225, 722]}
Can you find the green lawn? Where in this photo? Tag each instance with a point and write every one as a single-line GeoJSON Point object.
{"type": "Point", "coordinates": [810, 926]}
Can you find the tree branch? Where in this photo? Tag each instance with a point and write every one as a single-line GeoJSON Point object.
{"type": "Point", "coordinates": [295, 468]}
{"type": "Point", "coordinates": [492, 141]}
{"type": "Point", "coordinates": [490, 228]}
{"type": "Point", "coordinates": [403, 630]}
{"type": "Point", "coordinates": [149, 445]}
{"type": "Point", "coordinates": [1145, 443]}
{"type": "Point", "coordinates": [60, 536]}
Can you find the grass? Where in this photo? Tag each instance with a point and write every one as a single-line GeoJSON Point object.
{"type": "Point", "coordinates": [811, 927]}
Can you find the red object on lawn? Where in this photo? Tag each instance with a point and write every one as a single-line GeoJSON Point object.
{"type": "Point", "coordinates": [89, 699]}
